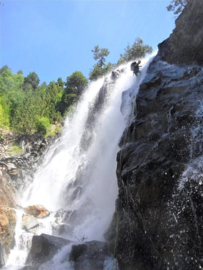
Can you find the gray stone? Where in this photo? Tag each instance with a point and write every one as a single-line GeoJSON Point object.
{"type": "Point", "coordinates": [90, 255]}
{"type": "Point", "coordinates": [43, 248]}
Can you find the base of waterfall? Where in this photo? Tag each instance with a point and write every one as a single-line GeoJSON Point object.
{"type": "Point", "coordinates": [47, 250]}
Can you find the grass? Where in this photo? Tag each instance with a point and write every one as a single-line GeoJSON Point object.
{"type": "Point", "coordinates": [52, 131]}
{"type": "Point", "coordinates": [15, 149]}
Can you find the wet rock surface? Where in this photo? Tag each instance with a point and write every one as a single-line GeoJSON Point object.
{"type": "Point", "coordinates": [89, 255]}
{"type": "Point", "coordinates": [159, 168]}
{"type": "Point", "coordinates": [43, 248]}
{"type": "Point", "coordinates": [184, 45]}
{"type": "Point", "coordinates": [160, 220]}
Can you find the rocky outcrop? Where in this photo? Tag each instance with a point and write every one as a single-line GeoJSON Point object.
{"type": "Point", "coordinates": [184, 46]}
{"type": "Point", "coordinates": [37, 211]}
{"type": "Point", "coordinates": [160, 203]}
{"type": "Point", "coordinates": [21, 167]}
{"type": "Point", "coordinates": [8, 194]}
{"type": "Point", "coordinates": [90, 255]}
{"type": "Point", "coordinates": [7, 228]}
{"type": "Point", "coordinates": [8, 201]}
{"type": "Point", "coordinates": [43, 248]}
{"type": "Point", "coordinates": [16, 172]}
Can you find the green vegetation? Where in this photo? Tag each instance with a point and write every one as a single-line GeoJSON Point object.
{"type": "Point", "coordinates": [74, 87]}
{"type": "Point", "coordinates": [42, 125]}
{"type": "Point", "coordinates": [177, 6]}
{"type": "Point", "coordinates": [14, 149]}
{"type": "Point", "coordinates": [26, 106]}
{"type": "Point", "coordinates": [100, 69]}
{"type": "Point", "coordinates": [137, 50]}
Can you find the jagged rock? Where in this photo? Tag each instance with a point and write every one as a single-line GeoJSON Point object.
{"type": "Point", "coordinates": [37, 211]}
{"type": "Point", "coordinates": [153, 231]}
{"type": "Point", "coordinates": [8, 194]}
{"type": "Point", "coordinates": [185, 43]}
{"type": "Point", "coordinates": [159, 212]}
{"type": "Point", "coordinates": [7, 231]}
{"type": "Point", "coordinates": [43, 248]}
{"type": "Point", "coordinates": [90, 255]}
{"type": "Point", "coordinates": [30, 223]}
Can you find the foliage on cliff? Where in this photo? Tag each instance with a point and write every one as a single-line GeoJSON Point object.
{"type": "Point", "coordinates": [177, 6]}
{"type": "Point", "coordinates": [137, 50]}
{"type": "Point", "coordinates": [100, 68]}
{"type": "Point", "coordinates": [27, 107]}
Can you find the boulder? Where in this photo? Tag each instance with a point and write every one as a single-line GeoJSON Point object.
{"type": "Point", "coordinates": [30, 223]}
{"type": "Point", "coordinates": [43, 248]}
{"type": "Point", "coordinates": [89, 255]}
{"type": "Point", "coordinates": [37, 211]}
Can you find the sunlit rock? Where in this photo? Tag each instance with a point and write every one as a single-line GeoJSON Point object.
{"type": "Point", "coordinates": [37, 211]}
{"type": "Point", "coordinates": [30, 223]}
{"type": "Point", "coordinates": [7, 230]}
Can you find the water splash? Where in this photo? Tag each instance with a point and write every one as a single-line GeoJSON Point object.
{"type": "Point", "coordinates": [77, 180]}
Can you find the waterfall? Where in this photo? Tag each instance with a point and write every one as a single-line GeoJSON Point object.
{"type": "Point", "coordinates": [77, 180]}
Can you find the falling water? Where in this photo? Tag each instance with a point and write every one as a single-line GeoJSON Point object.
{"type": "Point", "coordinates": [77, 180]}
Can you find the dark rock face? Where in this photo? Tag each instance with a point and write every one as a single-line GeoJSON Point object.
{"type": "Point", "coordinates": [160, 203]}
{"type": "Point", "coordinates": [185, 43]}
{"type": "Point", "coordinates": [159, 222]}
{"type": "Point", "coordinates": [43, 248]}
{"type": "Point", "coordinates": [90, 255]}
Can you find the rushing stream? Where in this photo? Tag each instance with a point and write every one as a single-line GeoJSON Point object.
{"type": "Point", "coordinates": [77, 180]}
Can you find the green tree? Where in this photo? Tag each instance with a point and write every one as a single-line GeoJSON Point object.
{"type": "Point", "coordinates": [24, 119]}
{"type": "Point", "coordinates": [75, 84]}
{"type": "Point", "coordinates": [48, 99]}
{"type": "Point", "coordinates": [31, 82]}
{"type": "Point", "coordinates": [9, 81]}
{"type": "Point", "coordinates": [98, 71]}
{"type": "Point", "coordinates": [137, 50]}
{"type": "Point", "coordinates": [60, 82]}
{"type": "Point", "coordinates": [4, 68]}
{"type": "Point", "coordinates": [4, 113]}
{"type": "Point", "coordinates": [100, 68]}
{"type": "Point", "coordinates": [42, 125]}
{"type": "Point", "coordinates": [100, 55]}
{"type": "Point", "coordinates": [177, 6]}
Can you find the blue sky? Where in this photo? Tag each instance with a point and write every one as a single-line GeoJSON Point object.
{"type": "Point", "coordinates": [55, 38]}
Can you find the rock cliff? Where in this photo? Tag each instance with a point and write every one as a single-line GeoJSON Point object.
{"type": "Point", "coordinates": [16, 173]}
{"type": "Point", "coordinates": [160, 202]}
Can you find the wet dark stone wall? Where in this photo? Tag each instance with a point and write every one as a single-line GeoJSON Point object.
{"type": "Point", "coordinates": [158, 214]}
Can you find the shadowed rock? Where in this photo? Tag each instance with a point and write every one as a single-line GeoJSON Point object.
{"type": "Point", "coordinates": [43, 248]}
{"type": "Point", "coordinates": [90, 255]}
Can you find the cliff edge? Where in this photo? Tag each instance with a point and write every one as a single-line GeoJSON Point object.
{"type": "Point", "coordinates": [159, 167]}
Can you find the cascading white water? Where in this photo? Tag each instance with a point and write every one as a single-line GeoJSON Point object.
{"type": "Point", "coordinates": [78, 174]}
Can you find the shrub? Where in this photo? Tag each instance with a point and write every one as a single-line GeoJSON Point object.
{"type": "Point", "coordinates": [42, 125]}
